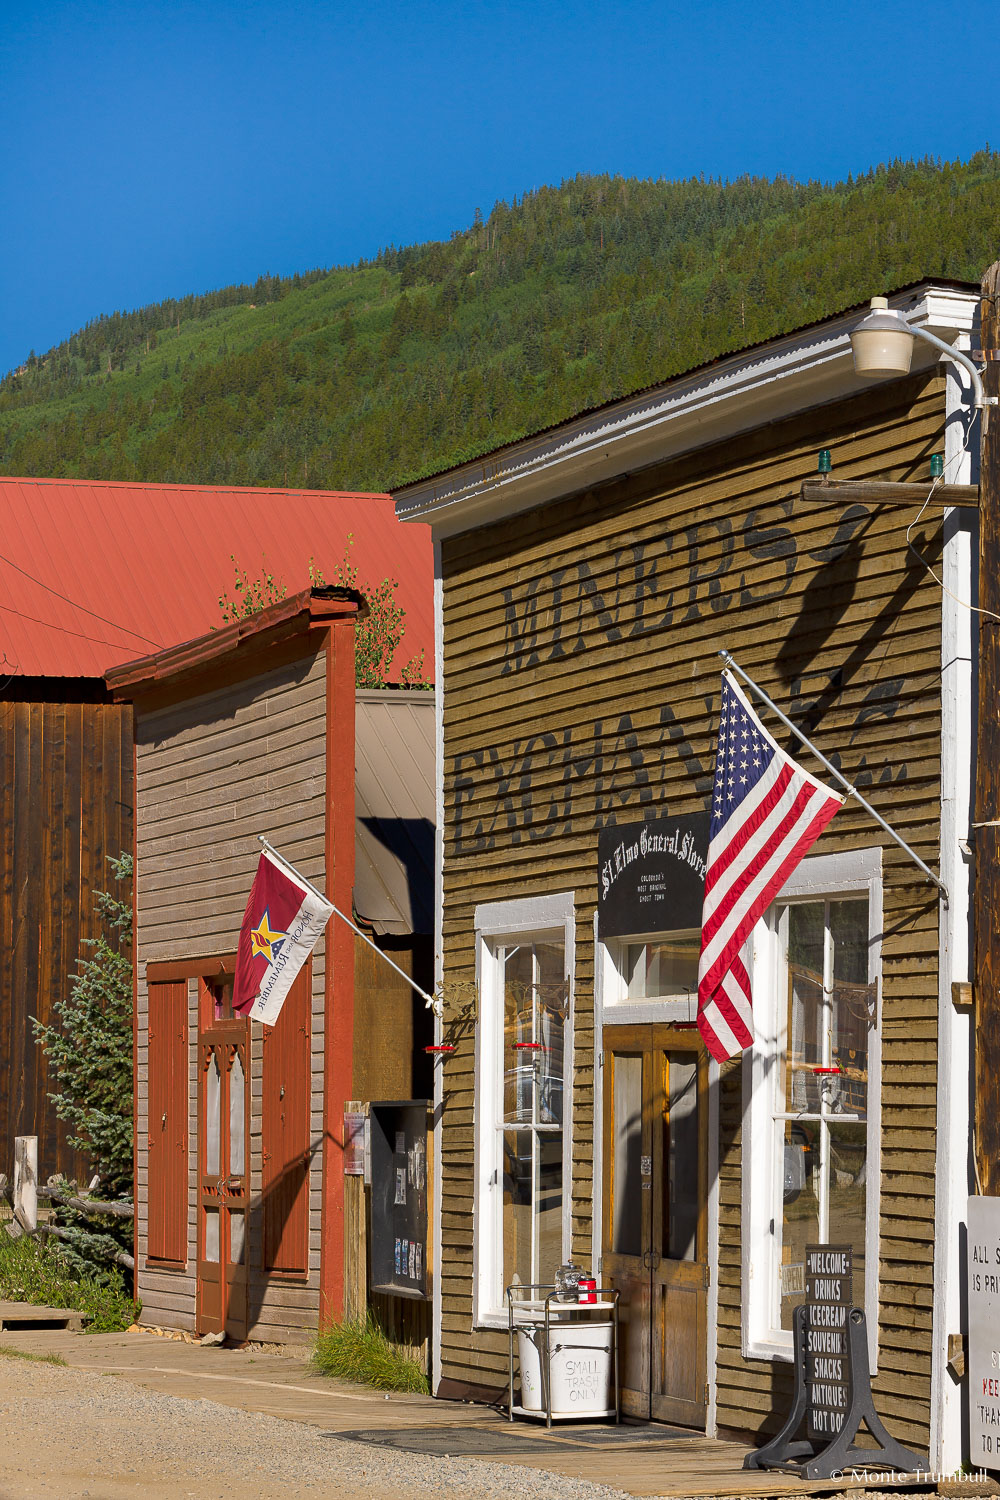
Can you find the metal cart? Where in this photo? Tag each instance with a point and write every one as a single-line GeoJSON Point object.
{"type": "Point", "coordinates": [551, 1315]}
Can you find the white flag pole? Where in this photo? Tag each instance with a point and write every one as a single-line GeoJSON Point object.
{"type": "Point", "coordinates": [429, 1001]}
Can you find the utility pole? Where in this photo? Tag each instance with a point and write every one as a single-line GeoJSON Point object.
{"type": "Point", "coordinates": [986, 898]}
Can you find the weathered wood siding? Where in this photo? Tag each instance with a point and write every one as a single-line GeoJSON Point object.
{"type": "Point", "coordinates": [212, 774]}
{"type": "Point", "coordinates": [65, 807]}
{"type": "Point", "coordinates": [581, 685]}
{"type": "Point", "coordinates": [391, 1023]}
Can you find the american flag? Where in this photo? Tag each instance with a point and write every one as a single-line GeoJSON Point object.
{"type": "Point", "coordinates": [766, 815]}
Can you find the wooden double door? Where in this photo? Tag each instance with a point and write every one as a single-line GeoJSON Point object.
{"type": "Point", "coordinates": [223, 1180]}
{"type": "Point", "coordinates": [655, 1237]}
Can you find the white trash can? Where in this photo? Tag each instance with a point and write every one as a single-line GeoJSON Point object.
{"type": "Point", "coordinates": [579, 1367]}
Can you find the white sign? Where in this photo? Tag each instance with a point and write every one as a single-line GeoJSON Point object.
{"type": "Point", "coordinates": [984, 1332]}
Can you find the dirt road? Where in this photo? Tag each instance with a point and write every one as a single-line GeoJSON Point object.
{"type": "Point", "coordinates": [69, 1433]}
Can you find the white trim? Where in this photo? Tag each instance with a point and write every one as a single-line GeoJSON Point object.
{"type": "Point", "coordinates": [527, 914]}
{"type": "Point", "coordinates": [712, 1309]}
{"type": "Point", "coordinates": [735, 394]}
{"type": "Point", "coordinates": [437, 1303]}
{"type": "Point", "coordinates": [954, 1050]}
{"type": "Point", "coordinates": [602, 962]}
{"type": "Point", "coordinates": [824, 875]}
{"type": "Point", "coordinates": [539, 916]}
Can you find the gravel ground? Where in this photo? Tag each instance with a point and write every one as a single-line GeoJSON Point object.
{"type": "Point", "coordinates": [68, 1433]}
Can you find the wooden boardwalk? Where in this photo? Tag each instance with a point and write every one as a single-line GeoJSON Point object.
{"type": "Point", "coordinates": [641, 1459]}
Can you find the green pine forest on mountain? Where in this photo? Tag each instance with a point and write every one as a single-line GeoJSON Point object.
{"type": "Point", "coordinates": [366, 376]}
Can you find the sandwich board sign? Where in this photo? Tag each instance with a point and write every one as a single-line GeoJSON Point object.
{"type": "Point", "coordinates": [983, 1249]}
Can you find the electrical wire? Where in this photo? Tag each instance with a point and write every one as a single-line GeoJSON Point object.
{"type": "Point", "coordinates": [66, 600]}
{"type": "Point", "coordinates": [975, 609]}
{"type": "Point", "coordinates": [65, 629]}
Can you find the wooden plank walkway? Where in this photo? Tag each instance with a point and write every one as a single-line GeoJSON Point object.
{"type": "Point", "coordinates": [25, 1316]}
{"type": "Point", "coordinates": [641, 1460]}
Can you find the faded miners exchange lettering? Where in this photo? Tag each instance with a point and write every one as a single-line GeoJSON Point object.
{"type": "Point", "coordinates": [528, 789]}
{"type": "Point", "coordinates": [681, 576]}
{"type": "Point", "coordinates": [651, 876]}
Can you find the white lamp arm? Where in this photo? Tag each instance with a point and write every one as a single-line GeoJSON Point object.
{"type": "Point", "coordinates": [960, 358]}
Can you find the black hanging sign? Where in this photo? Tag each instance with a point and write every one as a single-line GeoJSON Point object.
{"type": "Point", "coordinates": [651, 876]}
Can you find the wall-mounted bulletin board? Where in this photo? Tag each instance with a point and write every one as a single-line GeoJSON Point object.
{"type": "Point", "coordinates": [399, 1187]}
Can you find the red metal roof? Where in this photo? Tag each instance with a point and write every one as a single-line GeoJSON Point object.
{"type": "Point", "coordinates": [93, 574]}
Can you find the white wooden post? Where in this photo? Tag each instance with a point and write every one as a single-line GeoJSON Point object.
{"type": "Point", "coordinates": [26, 1181]}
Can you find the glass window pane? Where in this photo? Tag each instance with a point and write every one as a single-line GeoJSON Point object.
{"type": "Point", "coordinates": [548, 1207]}
{"type": "Point", "coordinates": [237, 1119]}
{"type": "Point", "coordinates": [551, 1001]}
{"type": "Point", "coordinates": [799, 1167]}
{"type": "Point", "coordinates": [823, 1160]}
{"type": "Point", "coordinates": [518, 1173]}
{"type": "Point", "coordinates": [848, 1171]}
{"type": "Point", "coordinates": [853, 1009]}
{"type": "Point", "coordinates": [518, 1018]}
{"type": "Point", "coordinates": [666, 965]}
{"type": "Point", "coordinates": [212, 1234]}
{"type": "Point", "coordinates": [536, 1002]}
{"type": "Point", "coordinates": [237, 1238]}
{"type": "Point", "coordinates": [213, 1116]}
{"type": "Point", "coordinates": [681, 1198]}
{"type": "Point", "coordinates": [626, 1190]}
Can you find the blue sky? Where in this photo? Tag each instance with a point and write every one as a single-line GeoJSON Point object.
{"type": "Point", "coordinates": [154, 150]}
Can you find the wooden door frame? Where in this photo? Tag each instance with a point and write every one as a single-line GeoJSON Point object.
{"type": "Point", "coordinates": [628, 1040]}
{"type": "Point", "coordinates": [643, 1035]}
{"type": "Point", "coordinates": [223, 1035]}
{"type": "Point", "coordinates": [665, 1039]}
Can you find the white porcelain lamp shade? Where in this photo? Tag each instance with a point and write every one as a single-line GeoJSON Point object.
{"type": "Point", "coordinates": [882, 343]}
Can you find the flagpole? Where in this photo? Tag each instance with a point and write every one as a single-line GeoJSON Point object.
{"type": "Point", "coordinates": [852, 791]}
{"type": "Point", "coordinates": [429, 1002]}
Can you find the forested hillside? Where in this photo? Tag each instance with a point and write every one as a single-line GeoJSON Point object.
{"type": "Point", "coordinates": [365, 376]}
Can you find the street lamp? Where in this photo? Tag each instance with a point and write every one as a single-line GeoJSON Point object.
{"type": "Point", "coordinates": [882, 345]}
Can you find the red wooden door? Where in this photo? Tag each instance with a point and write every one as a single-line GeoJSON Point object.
{"type": "Point", "coordinates": [167, 1130]}
{"type": "Point", "coordinates": [223, 1171]}
{"type": "Point", "coordinates": [285, 1132]}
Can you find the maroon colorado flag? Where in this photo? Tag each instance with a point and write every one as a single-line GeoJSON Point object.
{"type": "Point", "coordinates": [281, 927]}
{"type": "Point", "coordinates": [766, 815]}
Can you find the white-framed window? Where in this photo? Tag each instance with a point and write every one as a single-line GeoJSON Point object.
{"type": "Point", "coordinates": [811, 1142]}
{"type": "Point", "coordinates": [524, 1051]}
{"type": "Point", "coordinates": [650, 976]}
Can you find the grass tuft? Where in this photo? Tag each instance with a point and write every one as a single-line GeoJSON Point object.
{"type": "Point", "coordinates": [362, 1353]}
{"type": "Point", "coordinates": [38, 1359]}
{"type": "Point", "coordinates": [33, 1272]}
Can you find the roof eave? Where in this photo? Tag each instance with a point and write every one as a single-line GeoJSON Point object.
{"type": "Point", "coordinates": [295, 615]}
{"type": "Point", "coordinates": [742, 391]}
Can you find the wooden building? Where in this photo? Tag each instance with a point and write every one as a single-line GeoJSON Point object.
{"type": "Point", "coordinates": [239, 1128]}
{"type": "Point", "coordinates": [587, 577]}
{"type": "Point", "coordinates": [93, 574]}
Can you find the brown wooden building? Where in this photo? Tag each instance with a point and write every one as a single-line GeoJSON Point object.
{"type": "Point", "coordinates": [255, 729]}
{"type": "Point", "coordinates": [587, 576]}
{"type": "Point", "coordinates": [94, 573]}
{"type": "Point", "coordinates": [65, 810]}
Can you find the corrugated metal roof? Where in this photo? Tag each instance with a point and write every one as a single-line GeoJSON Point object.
{"type": "Point", "coordinates": [394, 810]}
{"type": "Point", "coordinates": [647, 390]}
{"type": "Point", "coordinates": [93, 574]}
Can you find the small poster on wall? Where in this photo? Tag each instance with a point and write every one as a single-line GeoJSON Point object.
{"type": "Point", "coordinates": [983, 1378]}
{"type": "Point", "coordinates": [651, 876]}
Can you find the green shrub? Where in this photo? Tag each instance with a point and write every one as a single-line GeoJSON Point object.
{"type": "Point", "coordinates": [89, 1054]}
{"type": "Point", "coordinates": [38, 1359]}
{"type": "Point", "coordinates": [31, 1271]}
{"type": "Point", "coordinates": [362, 1353]}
